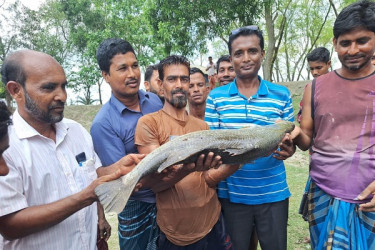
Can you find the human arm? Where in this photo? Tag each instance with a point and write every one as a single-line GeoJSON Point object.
{"type": "Point", "coordinates": [208, 67]}
{"type": "Point", "coordinates": [107, 142]}
{"type": "Point", "coordinates": [104, 227]}
{"type": "Point", "coordinates": [29, 220]}
{"type": "Point", "coordinates": [170, 176]}
{"type": "Point", "coordinates": [122, 165]}
{"type": "Point", "coordinates": [286, 147]}
{"type": "Point", "coordinates": [214, 176]}
{"type": "Point", "coordinates": [302, 136]}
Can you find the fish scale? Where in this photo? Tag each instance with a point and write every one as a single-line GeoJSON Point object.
{"type": "Point", "coordinates": [235, 146]}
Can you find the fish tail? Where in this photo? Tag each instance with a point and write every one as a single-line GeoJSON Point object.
{"type": "Point", "coordinates": [114, 195]}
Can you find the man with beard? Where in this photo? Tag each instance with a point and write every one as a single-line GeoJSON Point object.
{"type": "Point", "coordinates": [151, 81]}
{"type": "Point", "coordinates": [47, 197]}
{"type": "Point", "coordinates": [338, 124]}
{"type": "Point", "coordinates": [188, 211]}
{"type": "Point", "coordinates": [197, 95]}
{"type": "Point", "coordinates": [113, 135]}
{"type": "Point", "coordinates": [225, 70]}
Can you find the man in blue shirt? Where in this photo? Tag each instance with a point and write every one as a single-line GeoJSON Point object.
{"type": "Point", "coordinates": [256, 196]}
{"type": "Point", "coordinates": [113, 135]}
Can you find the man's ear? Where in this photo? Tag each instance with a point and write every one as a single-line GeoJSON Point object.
{"type": "Point", "coordinates": [329, 64]}
{"type": "Point", "coordinates": [105, 76]}
{"type": "Point", "coordinates": [335, 43]}
{"type": "Point", "coordinates": [159, 82]}
{"type": "Point", "coordinates": [15, 90]}
{"type": "Point", "coordinates": [147, 85]}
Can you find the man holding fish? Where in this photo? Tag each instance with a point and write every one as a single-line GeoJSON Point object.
{"type": "Point", "coordinates": [256, 196]}
{"type": "Point", "coordinates": [47, 198]}
{"type": "Point", "coordinates": [188, 211]}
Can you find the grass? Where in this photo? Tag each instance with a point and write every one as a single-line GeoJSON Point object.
{"type": "Point", "coordinates": [296, 167]}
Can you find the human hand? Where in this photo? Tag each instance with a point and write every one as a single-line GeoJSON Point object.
{"type": "Point", "coordinates": [204, 162]}
{"type": "Point", "coordinates": [128, 162]}
{"type": "Point", "coordinates": [287, 148]}
{"type": "Point", "coordinates": [368, 206]}
{"type": "Point", "coordinates": [104, 229]}
{"type": "Point", "coordinates": [120, 168]}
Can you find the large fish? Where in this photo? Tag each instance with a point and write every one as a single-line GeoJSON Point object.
{"type": "Point", "coordinates": [235, 146]}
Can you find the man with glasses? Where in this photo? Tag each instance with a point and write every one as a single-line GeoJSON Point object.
{"type": "Point", "coordinates": [256, 196]}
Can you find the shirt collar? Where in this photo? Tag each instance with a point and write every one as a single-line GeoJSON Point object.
{"type": "Point", "coordinates": [262, 91]}
{"type": "Point", "coordinates": [143, 96]}
{"type": "Point", "coordinates": [25, 130]}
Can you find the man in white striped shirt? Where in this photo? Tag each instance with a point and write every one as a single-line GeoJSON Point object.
{"type": "Point", "coordinates": [47, 197]}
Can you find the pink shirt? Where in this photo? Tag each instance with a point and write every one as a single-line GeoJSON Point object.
{"type": "Point", "coordinates": [343, 161]}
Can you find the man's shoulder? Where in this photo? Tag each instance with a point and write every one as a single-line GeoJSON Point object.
{"type": "Point", "coordinates": [275, 86]}
{"type": "Point", "coordinates": [222, 91]}
{"type": "Point", "coordinates": [104, 113]}
{"type": "Point", "coordinates": [151, 117]}
{"type": "Point", "coordinates": [72, 125]}
{"type": "Point", "coordinates": [200, 124]}
{"type": "Point", "coordinates": [151, 97]}
{"type": "Point", "coordinates": [275, 91]}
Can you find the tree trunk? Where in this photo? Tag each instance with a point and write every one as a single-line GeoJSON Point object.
{"type": "Point", "coordinates": [100, 91]}
{"type": "Point", "coordinates": [267, 63]}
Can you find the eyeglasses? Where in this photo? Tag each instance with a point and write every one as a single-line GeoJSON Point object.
{"type": "Point", "coordinates": [250, 27]}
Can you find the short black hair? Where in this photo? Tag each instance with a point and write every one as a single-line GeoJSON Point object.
{"type": "Point", "coordinates": [360, 14]}
{"type": "Point", "coordinates": [108, 49]}
{"type": "Point", "coordinates": [149, 70]}
{"type": "Point", "coordinates": [319, 54]}
{"type": "Point", "coordinates": [224, 58]}
{"type": "Point", "coordinates": [5, 120]}
{"type": "Point", "coordinates": [172, 60]}
{"type": "Point", "coordinates": [12, 68]}
{"type": "Point", "coordinates": [245, 32]}
{"type": "Point", "coordinates": [195, 70]}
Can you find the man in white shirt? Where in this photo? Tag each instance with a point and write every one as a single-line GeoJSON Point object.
{"type": "Point", "coordinates": [211, 71]}
{"type": "Point", "coordinates": [47, 197]}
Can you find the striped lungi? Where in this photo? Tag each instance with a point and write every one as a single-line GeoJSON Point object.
{"type": "Point", "coordinates": [336, 224]}
{"type": "Point", "coordinates": [137, 226]}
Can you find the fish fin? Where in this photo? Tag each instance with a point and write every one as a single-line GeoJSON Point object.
{"type": "Point", "coordinates": [114, 195]}
{"type": "Point", "coordinates": [236, 151]}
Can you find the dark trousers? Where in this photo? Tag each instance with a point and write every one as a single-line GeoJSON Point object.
{"type": "Point", "coordinates": [269, 219]}
{"type": "Point", "coordinates": [216, 239]}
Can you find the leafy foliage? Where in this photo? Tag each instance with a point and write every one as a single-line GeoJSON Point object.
{"type": "Point", "coordinates": [71, 30]}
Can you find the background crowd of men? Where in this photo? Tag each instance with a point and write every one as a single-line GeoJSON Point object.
{"type": "Point", "coordinates": [51, 165]}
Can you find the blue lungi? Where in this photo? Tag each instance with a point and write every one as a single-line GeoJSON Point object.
{"type": "Point", "coordinates": [137, 226]}
{"type": "Point", "coordinates": [336, 224]}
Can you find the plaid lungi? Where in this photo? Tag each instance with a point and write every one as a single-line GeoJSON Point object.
{"type": "Point", "coordinates": [137, 226]}
{"type": "Point", "coordinates": [336, 224]}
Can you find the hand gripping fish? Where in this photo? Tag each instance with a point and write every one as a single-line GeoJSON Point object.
{"type": "Point", "coordinates": [235, 146]}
